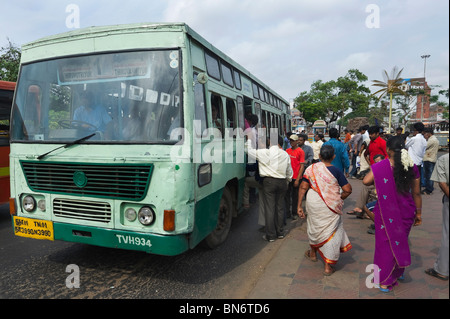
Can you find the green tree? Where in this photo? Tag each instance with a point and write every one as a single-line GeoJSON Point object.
{"type": "Point", "coordinates": [330, 100]}
{"type": "Point", "coordinates": [444, 104]}
{"type": "Point", "coordinates": [313, 104]}
{"type": "Point", "coordinates": [9, 62]}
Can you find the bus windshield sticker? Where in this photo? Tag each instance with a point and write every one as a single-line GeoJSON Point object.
{"type": "Point", "coordinates": [102, 69]}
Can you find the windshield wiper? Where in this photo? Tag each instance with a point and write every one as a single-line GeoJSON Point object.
{"type": "Point", "coordinates": [67, 145]}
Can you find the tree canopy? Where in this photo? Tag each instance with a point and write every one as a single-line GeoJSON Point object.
{"type": "Point", "coordinates": [9, 62]}
{"type": "Point", "coordinates": [330, 100]}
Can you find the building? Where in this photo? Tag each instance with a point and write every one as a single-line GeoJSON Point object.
{"type": "Point", "coordinates": [429, 114]}
{"type": "Point", "coordinates": [298, 123]}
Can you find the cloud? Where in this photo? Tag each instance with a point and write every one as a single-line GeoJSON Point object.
{"type": "Point", "coordinates": [287, 44]}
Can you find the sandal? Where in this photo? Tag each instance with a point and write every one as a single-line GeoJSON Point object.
{"type": "Point", "coordinates": [329, 273]}
{"type": "Point", "coordinates": [308, 256]}
{"type": "Point", "coordinates": [434, 273]}
{"type": "Point", "coordinates": [386, 290]}
{"type": "Point", "coordinates": [354, 212]}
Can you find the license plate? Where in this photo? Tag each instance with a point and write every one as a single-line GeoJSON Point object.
{"type": "Point", "coordinates": [33, 228]}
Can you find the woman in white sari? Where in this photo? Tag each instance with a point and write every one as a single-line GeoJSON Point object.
{"type": "Point", "coordinates": [322, 182]}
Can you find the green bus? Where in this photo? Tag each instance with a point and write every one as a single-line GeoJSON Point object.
{"type": "Point", "coordinates": [115, 141]}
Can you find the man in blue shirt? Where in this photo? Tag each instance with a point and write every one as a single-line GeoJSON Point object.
{"type": "Point", "coordinates": [341, 160]}
{"type": "Point", "coordinates": [94, 115]}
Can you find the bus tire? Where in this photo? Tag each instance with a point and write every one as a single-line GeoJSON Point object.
{"type": "Point", "coordinates": [224, 218]}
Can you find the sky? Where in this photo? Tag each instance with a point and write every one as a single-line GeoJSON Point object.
{"type": "Point", "coordinates": [287, 44]}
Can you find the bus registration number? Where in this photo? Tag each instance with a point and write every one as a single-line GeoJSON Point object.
{"type": "Point", "coordinates": [33, 228]}
{"type": "Point", "coordinates": [132, 240]}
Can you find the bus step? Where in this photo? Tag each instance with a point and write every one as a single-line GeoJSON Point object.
{"type": "Point", "coordinates": [81, 233]}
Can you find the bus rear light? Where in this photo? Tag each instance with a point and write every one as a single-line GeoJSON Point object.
{"type": "Point", "coordinates": [169, 220]}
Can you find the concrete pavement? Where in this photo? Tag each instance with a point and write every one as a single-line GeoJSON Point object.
{"type": "Point", "coordinates": [289, 275]}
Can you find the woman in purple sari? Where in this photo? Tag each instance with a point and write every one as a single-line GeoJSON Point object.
{"type": "Point", "coordinates": [399, 206]}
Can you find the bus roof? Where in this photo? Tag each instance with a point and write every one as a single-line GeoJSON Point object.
{"type": "Point", "coordinates": [6, 85]}
{"type": "Point", "coordinates": [88, 34]}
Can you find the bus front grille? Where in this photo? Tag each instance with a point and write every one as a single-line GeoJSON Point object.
{"type": "Point", "coordinates": [80, 209]}
{"type": "Point", "coordinates": [113, 181]}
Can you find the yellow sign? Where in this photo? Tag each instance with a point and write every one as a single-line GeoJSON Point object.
{"type": "Point", "coordinates": [33, 228]}
{"type": "Point", "coordinates": [4, 171]}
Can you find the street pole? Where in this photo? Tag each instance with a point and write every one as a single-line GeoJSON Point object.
{"type": "Point", "coordinates": [425, 57]}
{"type": "Point", "coordinates": [390, 113]}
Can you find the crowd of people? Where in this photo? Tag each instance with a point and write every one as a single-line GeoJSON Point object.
{"type": "Point", "coordinates": [298, 179]}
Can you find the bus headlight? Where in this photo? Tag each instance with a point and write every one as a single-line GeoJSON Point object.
{"type": "Point", "coordinates": [41, 205]}
{"type": "Point", "coordinates": [146, 216]}
{"type": "Point", "coordinates": [130, 214]}
{"type": "Point", "coordinates": [29, 203]}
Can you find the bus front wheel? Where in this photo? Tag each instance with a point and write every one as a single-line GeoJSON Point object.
{"type": "Point", "coordinates": [220, 233]}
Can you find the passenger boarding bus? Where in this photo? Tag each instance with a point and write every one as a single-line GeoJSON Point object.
{"type": "Point", "coordinates": [131, 137]}
{"type": "Point", "coordinates": [6, 98]}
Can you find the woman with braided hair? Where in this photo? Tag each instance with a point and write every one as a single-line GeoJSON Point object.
{"type": "Point", "coordinates": [399, 206]}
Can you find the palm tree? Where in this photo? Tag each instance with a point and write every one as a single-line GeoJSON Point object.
{"type": "Point", "coordinates": [391, 85]}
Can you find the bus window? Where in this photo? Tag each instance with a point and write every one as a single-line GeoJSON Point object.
{"type": "Point", "coordinates": [258, 112]}
{"type": "Point", "coordinates": [212, 66]}
{"type": "Point", "coordinates": [241, 113]}
{"type": "Point", "coordinates": [200, 106]}
{"type": "Point", "coordinates": [237, 79]}
{"type": "Point", "coordinates": [280, 131]}
{"type": "Point", "coordinates": [59, 111]}
{"type": "Point", "coordinates": [271, 121]}
{"type": "Point", "coordinates": [261, 94]}
{"type": "Point", "coordinates": [217, 112]}
{"type": "Point", "coordinates": [255, 90]}
{"type": "Point", "coordinates": [231, 116]}
{"type": "Point", "coordinates": [263, 120]}
{"type": "Point", "coordinates": [138, 91]}
{"type": "Point", "coordinates": [227, 74]}
{"type": "Point", "coordinates": [31, 114]}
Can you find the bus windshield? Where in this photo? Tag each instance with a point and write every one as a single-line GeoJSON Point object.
{"type": "Point", "coordinates": [127, 97]}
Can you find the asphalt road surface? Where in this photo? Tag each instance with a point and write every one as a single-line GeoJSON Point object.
{"type": "Point", "coordinates": [33, 268]}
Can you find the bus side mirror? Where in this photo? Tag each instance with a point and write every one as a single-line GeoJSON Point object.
{"type": "Point", "coordinates": [202, 78]}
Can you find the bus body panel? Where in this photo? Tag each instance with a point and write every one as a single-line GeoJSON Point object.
{"type": "Point", "coordinates": [6, 97]}
{"type": "Point", "coordinates": [175, 183]}
{"type": "Point", "coordinates": [4, 174]}
{"type": "Point", "coordinates": [150, 243]}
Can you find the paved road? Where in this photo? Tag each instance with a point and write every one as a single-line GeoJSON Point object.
{"type": "Point", "coordinates": [37, 269]}
{"type": "Point", "coordinates": [290, 275]}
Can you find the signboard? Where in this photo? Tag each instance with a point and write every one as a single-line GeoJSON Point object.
{"type": "Point", "coordinates": [413, 83]}
{"type": "Point", "coordinates": [101, 68]}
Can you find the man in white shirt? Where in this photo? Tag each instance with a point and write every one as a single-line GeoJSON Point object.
{"type": "Point", "coordinates": [441, 176]}
{"type": "Point", "coordinates": [275, 168]}
{"type": "Point", "coordinates": [416, 146]}
{"type": "Point", "coordinates": [429, 160]}
{"type": "Point", "coordinates": [355, 147]}
{"type": "Point", "coordinates": [316, 145]}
